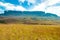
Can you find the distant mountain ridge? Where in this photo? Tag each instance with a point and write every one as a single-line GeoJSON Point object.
{"type": "Point", "coordinates": [28, 13]}
{"type": "Point", "coordinates": [29, 17]}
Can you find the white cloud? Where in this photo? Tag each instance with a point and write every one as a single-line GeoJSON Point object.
{"type": "Point", "coordinates": [54, 9]}
{"type": "Point", "coordinates": [47, 6]}
{"type": "Point", "coordinates": [52, 2]}
{"type": "Point", "coordinates": [21, 1]}
{"type": "Point", "coordinates": [40, 7]}
{"type": "Point", "coordinates": [31, 1]}
{"type": "Point", "coordinates": [20, 8]}
{"type": "Point", "coordinates": [9, 6]}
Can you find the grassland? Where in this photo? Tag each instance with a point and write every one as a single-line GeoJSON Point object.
{"type": "Point", "coordinates": [29, 32]}
{"type": "Point", "coordinates": [29, 28]}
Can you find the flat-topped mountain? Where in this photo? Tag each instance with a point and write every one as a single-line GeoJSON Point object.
{"type": "Point", "coordinates": [28, 13]}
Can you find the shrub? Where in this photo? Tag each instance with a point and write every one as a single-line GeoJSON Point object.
{"type": "Point", "coordinates": [2, 21]}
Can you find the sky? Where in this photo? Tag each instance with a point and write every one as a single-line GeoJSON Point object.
{"type": "Point", "coordinates": [48, 6]}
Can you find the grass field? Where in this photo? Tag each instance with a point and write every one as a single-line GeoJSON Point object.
{"type": "Point", "coordinates": [29, 32]}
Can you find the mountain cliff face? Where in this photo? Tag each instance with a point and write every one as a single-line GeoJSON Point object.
{"type": "Point", "coordinates": [28, 13]}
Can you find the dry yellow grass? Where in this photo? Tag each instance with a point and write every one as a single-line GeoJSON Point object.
{"type": "Point", "coordinates": [29, 32]}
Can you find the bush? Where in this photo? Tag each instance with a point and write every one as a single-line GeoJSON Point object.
{"type": "Point", "coordinates": [2, 21]}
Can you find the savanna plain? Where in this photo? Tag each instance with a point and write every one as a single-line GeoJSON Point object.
{"type": "Point", "coordinates": [29, 32]}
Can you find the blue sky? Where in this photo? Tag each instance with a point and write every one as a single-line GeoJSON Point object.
{"type": "Point", "coordinates": [51, 6]}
